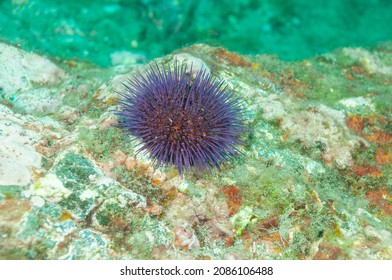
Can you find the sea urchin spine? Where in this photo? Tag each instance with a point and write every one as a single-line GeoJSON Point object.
{"type": "Point", "coordinates": [179, 120]}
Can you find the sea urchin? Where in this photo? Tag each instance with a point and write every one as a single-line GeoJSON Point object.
{"type": "Point", "coordinates": [189, 122]}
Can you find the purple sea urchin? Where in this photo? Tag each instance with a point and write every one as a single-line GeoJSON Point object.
{"type": "Point", "coordinates": [179, 120]}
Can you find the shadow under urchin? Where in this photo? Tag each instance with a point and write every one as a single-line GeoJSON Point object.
{"type": "Point", "coordinates": [189, 122]}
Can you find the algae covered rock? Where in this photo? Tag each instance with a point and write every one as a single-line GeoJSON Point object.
{"type": "Point", "coordinates": [312, 181]}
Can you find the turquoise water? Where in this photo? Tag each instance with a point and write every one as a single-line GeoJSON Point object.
{"type": "Point", "coordinates": [93, 30]}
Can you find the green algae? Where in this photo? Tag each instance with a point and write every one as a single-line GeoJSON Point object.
{"type": "Point", "coordinates": [52, 211]}
{"type": "Point", "coordinates": [329, 78]}
{"type": "Point", "coordinates": [76, 205]}
{"type": "Point", "coordinates": [243, 219]}
{"type": "Point", "coordinates": [10, 192]}
{"type": "Point", "coordinates": [268, 191]}
{"type": "Point", "coordinates": [110, 212]}
{"type": "Point", "coordinates": [74, 170]}
{"type": "Point", "coordinates": [101, 143]}
{"type": "Point", "coordinates": [13, 254]}
{"type": "Point", "coordinates": [134, 179]}
{"type": "Point", "coordinates": [89, 243]}
{"type": "Point", "coordinates": [31, 225]}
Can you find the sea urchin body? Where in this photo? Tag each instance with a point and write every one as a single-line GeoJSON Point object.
{"type": "Point", "coordinates": [191, 123]}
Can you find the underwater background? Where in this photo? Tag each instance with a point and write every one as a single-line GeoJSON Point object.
{"type": "Point", "coordinates": [312, 86]}
{"type": "Point", "coordinates": [291, 29]}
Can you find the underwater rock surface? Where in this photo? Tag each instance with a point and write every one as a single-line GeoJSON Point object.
{"type": "Point", "coordinates": [314, 180]}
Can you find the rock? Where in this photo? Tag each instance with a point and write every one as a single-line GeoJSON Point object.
{"type": "Point", "coordinates": [310, 181]}
{"type": "Point", "coordinates": [191, 62]}
{"type": "Point", "coordinates": [21, 71]}
{"type": "Point", "coordinates": [185, 238]}
{"type": "Point", "coordinates": [17, 149]}
{"type": "Point", "coordinates": [323, 125]}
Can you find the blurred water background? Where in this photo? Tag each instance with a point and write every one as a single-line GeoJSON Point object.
{"type": "Point", "coordinates": [94, 30]}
